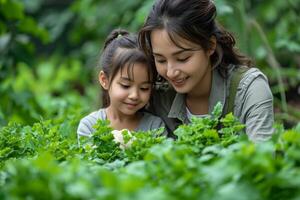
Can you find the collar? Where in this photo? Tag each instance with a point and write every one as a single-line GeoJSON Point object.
{"type": "Point", "coordinates": [218, 90]}
{"type": "Point", "coordinates": [178, 109]}
{"type": "Point", "coordinates": [218, 93]}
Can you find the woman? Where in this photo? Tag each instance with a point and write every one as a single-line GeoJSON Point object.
{"type": "Point", "coordinates": [197, 57]}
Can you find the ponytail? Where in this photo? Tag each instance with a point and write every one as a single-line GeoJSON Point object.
{"type": "Point", "coordinates": [117, 33]}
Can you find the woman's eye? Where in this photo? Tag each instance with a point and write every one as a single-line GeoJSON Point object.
{"type": "Point", "coordinates": [183, 59]}
{"type": "Point", "coordinates": [160, 60]}
{"type": "Point", "coordinates": [145, 89]}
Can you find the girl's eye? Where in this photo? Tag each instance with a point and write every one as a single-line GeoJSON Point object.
{"type": "Point", "coordinates": [124, 86]}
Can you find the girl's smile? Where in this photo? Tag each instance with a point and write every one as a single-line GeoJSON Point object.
{"type": "Point", "coordinates": [129, 91]}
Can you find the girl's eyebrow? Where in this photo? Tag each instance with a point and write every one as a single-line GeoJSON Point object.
{"type": "Point", "coordinates": [126, 79]}
{"type": "Point", "coordinates": [130, 80]}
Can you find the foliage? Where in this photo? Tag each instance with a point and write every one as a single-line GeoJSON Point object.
{"type": "Point", "coordinates": [273, 41]}
{"type": "Point", "coordinates": [46, 159]}
{"type": "Point", "coordinates": [48, 61]}
{"type": "Point", "coordinates": [102, 147]}
{"type": "Point", "coordinates": [19, 141]}
{"type": "Point", "coordinates": [44, 41]}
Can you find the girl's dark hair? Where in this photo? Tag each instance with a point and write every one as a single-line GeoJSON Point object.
{"type": "Point", "coordinates": [121, 49]}
{"type": "Point", "coordinates": [193, 20]}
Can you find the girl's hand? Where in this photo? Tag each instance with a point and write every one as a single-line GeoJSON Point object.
{"type": "Point", "coordinates": [118, 138]}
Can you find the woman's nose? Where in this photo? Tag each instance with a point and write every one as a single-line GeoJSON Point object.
{"type": "Point", "coordinates": [172, 72]}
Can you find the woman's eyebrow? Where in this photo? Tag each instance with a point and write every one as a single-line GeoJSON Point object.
{"type": "Point", "coordinates": [174, 53]}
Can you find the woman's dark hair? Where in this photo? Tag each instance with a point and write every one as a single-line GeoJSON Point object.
{"type": "Point", "coordinates": [122, 49]}
{"type": "Point", "coordinates": [193, 20]}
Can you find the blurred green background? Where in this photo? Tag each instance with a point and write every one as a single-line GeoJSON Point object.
{"type": "Point", "coordinates": [49, 51]}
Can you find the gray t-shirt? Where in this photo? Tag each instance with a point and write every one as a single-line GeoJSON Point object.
{"type": "Point", "coordinates": [148, 122]}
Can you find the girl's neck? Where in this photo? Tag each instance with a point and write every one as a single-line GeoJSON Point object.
{"type": "Point", "coordinates": [120, 121]}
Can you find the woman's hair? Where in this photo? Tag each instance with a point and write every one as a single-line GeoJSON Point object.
{"type": "Point", "coordinates": [121, 49]}
{"type": "Point", "coordinates": [193, 20]}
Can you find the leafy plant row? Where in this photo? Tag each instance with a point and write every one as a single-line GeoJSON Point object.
{"type": "Point", "coordinates": [44, 161]}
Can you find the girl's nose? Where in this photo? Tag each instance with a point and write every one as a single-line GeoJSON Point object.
{"type": "Point", "coordinates": [134, 94]}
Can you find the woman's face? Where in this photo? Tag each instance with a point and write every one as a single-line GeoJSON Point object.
{"type": "Point", "coordinates": [188, 70]}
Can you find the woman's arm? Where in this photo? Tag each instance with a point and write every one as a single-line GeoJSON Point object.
{"type": "Point", "coordinates": [254, 106]}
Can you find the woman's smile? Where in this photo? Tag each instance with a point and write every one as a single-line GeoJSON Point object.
{"type": "Point", "coordinates": [178, 82]}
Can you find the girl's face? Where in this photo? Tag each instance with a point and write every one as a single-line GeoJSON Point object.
{"type": "Point", "coordinates": [127, 95]}
{"type": "Point", "coordinates": [188, 70]}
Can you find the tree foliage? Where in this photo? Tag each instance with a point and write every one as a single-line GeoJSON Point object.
{"type": "Point", "coordinates": [49, 50]}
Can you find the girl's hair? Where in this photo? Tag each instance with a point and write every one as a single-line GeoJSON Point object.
{"type": "Point", "coordinates": [121, 49]}
{"type": "Point", "coordinates": [193, 20]}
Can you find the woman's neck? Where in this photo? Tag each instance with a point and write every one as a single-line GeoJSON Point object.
{"type": "Point", "coordinates": [197, 100]}
{"type": "Point", "coordinates": [120, 121]}
{"type": "Point", "coordinates": [198, 106]}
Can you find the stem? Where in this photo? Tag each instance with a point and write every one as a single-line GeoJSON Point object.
{"type": "Point", "coordinates": [272, 62]}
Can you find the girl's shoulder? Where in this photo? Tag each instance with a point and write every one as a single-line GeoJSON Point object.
{"type": "Point", "coordinates": [85, 127]}
{"type": "Point", "coordinates": [94, 116]}
{"type": "Point", "coordinates": [149, 117]}
{"type": "Point", "coordinates": [150, 121]}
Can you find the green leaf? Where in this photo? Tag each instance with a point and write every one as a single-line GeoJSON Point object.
{"type": "Point", "coordinates": [12, 9]}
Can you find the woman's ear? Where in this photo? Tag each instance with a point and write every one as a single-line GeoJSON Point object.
{"type": "Point", "coordinates": [103, 80]}
{"type": "Point", "coordinates": [213, 45]}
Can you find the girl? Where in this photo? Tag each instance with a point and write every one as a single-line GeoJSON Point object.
{"type": "Point", "coordinates": [196, 56]}
{"type": "Point", "coordinates": [127, 79]}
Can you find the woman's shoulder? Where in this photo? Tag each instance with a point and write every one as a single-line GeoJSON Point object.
{"type": "Point", "coordinates": [253, 88]}
{"type": "Point", "coordinates": [253, 84]}
{"type": "Point", "coordinates": [245, 75]}
{"type": "Point", "coordinates": [253, 81]}
{"type": "Point", "coordinates": [248, 74]}
{"type": "Point", "coordinates": [251, 75]}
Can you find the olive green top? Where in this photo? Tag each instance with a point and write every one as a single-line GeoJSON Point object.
{"type": "Point", "coordinates": [253, 104]}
